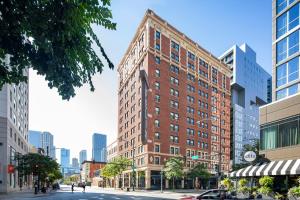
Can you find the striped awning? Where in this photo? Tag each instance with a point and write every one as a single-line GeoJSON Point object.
{"type": "Point", "coordinates": [279, 167]}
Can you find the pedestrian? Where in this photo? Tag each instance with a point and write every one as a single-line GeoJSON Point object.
{"type": "Point", "coordinates": [83, 186]}
{"type": "Point", "coordinates": [35, 187]}
{"type": "Point", "coordinates": [72, 187]}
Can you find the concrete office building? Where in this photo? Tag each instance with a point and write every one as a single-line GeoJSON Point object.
{"type": "Point", "coordinates": [171, 95]}
{"type": "Point", "coordinates": [280, 134]}
{"type": "Point", "coordinates": [99, 147]}
{"type": "Point", "coordinates": [13, 133]}
{"type": "Point", "coordinates": [43, 140]}
{"type": "Point", "coordinates": [82, 156]}
{"type": "Point", "coordinates": [250, 88]}
{"type": "Point", "coordinates": [75, 164]}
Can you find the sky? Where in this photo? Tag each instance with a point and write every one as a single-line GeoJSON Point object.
{"type": "Point", "coordinates": [215, 25]}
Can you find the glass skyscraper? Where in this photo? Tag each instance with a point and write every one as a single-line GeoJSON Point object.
{"type": "Point", "coordinates": [286, 48]}
{"type": "Point", "coordinates": [82, 156]}
{"type": "Point", "coordinates": [99, 147]}
{"type": "Point", "coordinates": [65, 158]}
{"type": "Point", "coordinates": [43, 140]}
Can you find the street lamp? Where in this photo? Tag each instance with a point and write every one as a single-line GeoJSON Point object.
{"type": "Point", "coordinates": [133, 160]}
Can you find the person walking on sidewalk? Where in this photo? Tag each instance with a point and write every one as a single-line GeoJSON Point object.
{"type": "Point", "coordinates": [35, 187]}
{"type": "Point", "coordinates": [83, 186]}
{"type": "Point", "coordinates": [72, 187]}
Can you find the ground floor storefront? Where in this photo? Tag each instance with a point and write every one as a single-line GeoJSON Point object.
{"type": "Point", "coordinates": [154, 179]}
{"type": "Point", "coordinates": [285, 172]}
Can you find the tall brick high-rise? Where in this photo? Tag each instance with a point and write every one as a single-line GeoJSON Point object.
{"type": "Point", "coordinates": [172, 94]}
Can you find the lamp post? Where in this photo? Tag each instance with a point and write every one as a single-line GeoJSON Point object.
{"type": "Point", "coordinates": [133, 162]}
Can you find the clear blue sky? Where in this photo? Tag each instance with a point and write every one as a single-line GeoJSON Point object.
{"type": "Point", "coordinates": [214, 24]}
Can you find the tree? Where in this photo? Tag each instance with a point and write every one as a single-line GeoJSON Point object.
{"type": "Point", "coordinates": [242, 186]}
{"type": "Point", "coordinates": [115, 168]}
{"type": "Point", "coordinates": [228, 184]}
{"type": "Point", "coordinates": [201, 172]}
{"type": "Point", "coordinates": [266, 185]}
{"type": "Point", "coordinates": [54, 38]}
{"type": "Point", "coordinates": [173, 169]}
{"type": "Point", "coordinates": [39, 165]}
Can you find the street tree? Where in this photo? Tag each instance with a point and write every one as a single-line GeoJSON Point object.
{"type": "Point", "coordinates": [55, 38]}
{"type": "Point", "coordinates": [116, 167]}
{"type": "Point", "coordinates": [200, 171]}
{"type": "Point", "coordinates": [39, 165]}
{"type": "Point", "coordinates": [173, 169]}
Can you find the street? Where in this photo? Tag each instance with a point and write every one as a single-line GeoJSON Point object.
{"type": "Point", "coordinates": [65, 193]}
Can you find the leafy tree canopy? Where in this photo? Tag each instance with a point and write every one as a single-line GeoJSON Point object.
{"type": "Point", "coordinates": [54, 38]}
{"type": "Point", "coordinates": [173, 168]}
{"type": "Point", "coordinates": [116, 167]}
{"type": "Point", "coordinates": [40, 165]}
{"type": "Point", "coordinates": [199, 171]}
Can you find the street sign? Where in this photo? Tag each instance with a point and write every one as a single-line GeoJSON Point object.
{"type": "Point", "coordinates": [195, 157]}
{"type": "Point", "coordinates": [250, 156]}
{"type": "Point", "coordinates": [10, 169]}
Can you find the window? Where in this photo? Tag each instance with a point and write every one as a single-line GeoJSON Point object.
{"type": "Point", "coordinates": [157, 110]}
{"type": "Point", "coordinates": [157, 85]}
{"type": "Point", "coordinates": [191, 66]}
{"type": "Point", "coordinates": [174, 104]}
{"type": "Point", "coordinates": [280, 5]}
{"type": "Point", "coordinates": [281, 25]}
{"type": "Point", "coordinates": [281, 50]}
{"type": "Point", "coordinates": [191, 56]}
{"type": "Point", "coordinates": [281, 75]}
{"type": "Point", "coordinates": [293, 89]}
{"type": "Point", "coordinates": [157, 47]}
{"type": "Point", "coordinates": [191, 77]}
{"type": "Point", "coordinates": [174, 92]}
{"type": "Point", "coordinates": [157, 35]}
{"type": "Point", "coordinates": [174, 127]}
{"type": "Point", "coordinates": [174, 116]}
{"type": "Point", "coordinates": [157, 73]}
{"type": "Point", "coordinates": [175, 57]}
{"type": "Point", "coordinates": [157, 135]}
{"type": "Point", "coordinates": [174, 81]}
{"type": "Point", "coordinates": [282, 134]}
{"type": "Point", "coordinates": [157, 148]}
{"type": "Point", "coordinates": [281, 94]}
{"type": "Point", "coordinates": [157, 60]}
{"type": "Point", "coordinates": [156, 160]}
{"type": "Point", "coordinates": [175, 46]}
{"type": "Point", "coordinates": [174, 69]}
{"type": "Point", "coordinates": [157, 124]}
{"type": "Point", "coordinates": [293, 69]}
{"type": "Point", "coordinates": [157, 98]}
{"type": "Point", "coordinates": [294, 16]}
{"type": "Point", "coordinates": [293, 43]}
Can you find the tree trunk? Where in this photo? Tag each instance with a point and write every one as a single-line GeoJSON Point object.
{"type": "Point", "coordinates": [173, 183]}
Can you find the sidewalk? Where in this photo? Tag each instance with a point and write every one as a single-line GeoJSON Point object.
{"type": "Point", "coordinates": [28, 193]}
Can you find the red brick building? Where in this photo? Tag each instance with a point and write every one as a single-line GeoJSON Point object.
{"type": "Point", "coordinates": [172, 93]}
{"type": "Point", "coordinates": [89, 168]}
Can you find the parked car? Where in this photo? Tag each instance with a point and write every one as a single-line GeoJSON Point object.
{"type": "Point", "coordinates": [212, 194]}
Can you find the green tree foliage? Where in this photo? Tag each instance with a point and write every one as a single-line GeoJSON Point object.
{"type": "Point", "coordinates": [228, 184]}
{"type": "Point", "coordinates": [201, 172]}
{"type": "Point", "coordinates": [242, 186]}
{"type": "Point", "coordinates": [54, 38]}
{"type": "Point", "coordinates": [116, 167]}
{"type": "Point", "coordinates": [173, 169]}
{"type": "Point", "coordinates": [36, 164]}
{"type": "Point", "coordinates": [266, 185]}
{"type": "Point", "coordinates": [295, 191]}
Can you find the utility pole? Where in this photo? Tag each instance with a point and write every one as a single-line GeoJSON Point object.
{"type": "Point", "coordinates": [161, 179]}
{"type": "Point", "coordinates": [133, 166]}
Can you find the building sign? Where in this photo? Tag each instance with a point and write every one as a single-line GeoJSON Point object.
{"type": "Point", "coordinates": [195, 157]}
{"type": "Point", "coordinates": [250, 156]}
{"type": "Point", "coordinates": [10, 169]}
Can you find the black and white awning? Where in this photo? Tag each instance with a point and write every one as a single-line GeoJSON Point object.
{"type": "Point", "coordinates": [279, 167]}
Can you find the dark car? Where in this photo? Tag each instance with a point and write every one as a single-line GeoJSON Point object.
{"type": "Point", "coordinates": [212, 194]}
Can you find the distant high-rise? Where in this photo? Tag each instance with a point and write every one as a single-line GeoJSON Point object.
{"type": "Point", "coordinates": [99, 147]}
{"type": "Point", "coordinates": [75, 164]}
{"type": "Point", "coordinates": [82, 156]}
{"type": "Point", "coordinates": [247, 94]}
{"type": "Point", "coordinates": [65, 158]}
{"type": "Point", "coordinates": [43, 140]}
